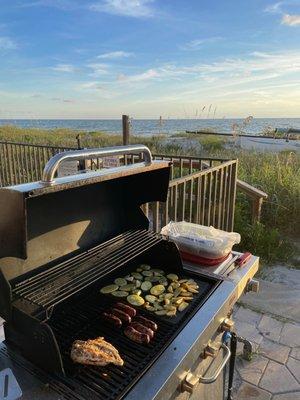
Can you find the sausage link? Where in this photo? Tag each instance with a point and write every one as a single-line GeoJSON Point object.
{"type": "Point", "coordinates": [143, 329]}
{"type": "Point", "coordinates": [147, 322]}
{"type": "Point", "coordinates": [136, 336]}
{"type": "Point", "coordinates": [127, 309]}
{"type": "Point", "coordinates": [112, 319]}
{"type": "Point", "coordinates": [122, 315]}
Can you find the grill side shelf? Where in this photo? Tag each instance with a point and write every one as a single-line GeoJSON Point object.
{"type": "Point", "coordinates": [60, 282]}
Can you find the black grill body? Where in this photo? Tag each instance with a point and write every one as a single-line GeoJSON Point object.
{"type": "Point", "coordinates": [60, 245]}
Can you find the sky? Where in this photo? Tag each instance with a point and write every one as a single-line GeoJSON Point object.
{"type": "Point", "coordinates": [146, 58]}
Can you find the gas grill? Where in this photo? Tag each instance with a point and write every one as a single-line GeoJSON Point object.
{"type": "Point", "coordinates": [61, 240]}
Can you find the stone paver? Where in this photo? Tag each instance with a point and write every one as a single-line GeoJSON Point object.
{"type": "Point", "coordinates": [252, 371]}
{"type": "Point", "coordinates": [249, 392]}
{"type": "Point", "coordinates": [290, 334]}
{"type": "Point", "coordinates": [287, 396]}
{"type": "Point", "coordinates": [278, 379]}
{"type": "Point", "coordinates": [274, 351]}
{"type": "Point", "coordinates": [270, 327]}
{"type": "Point", "coordinates": [296, 353]}
{"type": "Point", "coordinates": [245, 315]}
{"type": "Point", "coordinates": [294, 366]}
{"type": "Point", "coordinates": [281, 300]}
{"type": "Point", "coordinates": [248, 331]}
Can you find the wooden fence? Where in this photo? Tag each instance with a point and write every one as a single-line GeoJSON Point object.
{"type": "Point", "coordinates": [200, 191]}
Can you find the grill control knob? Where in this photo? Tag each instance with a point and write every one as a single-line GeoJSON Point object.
{"type": "Point", "coordinates": [210, 351]}
{"type": "Point", "coordinates": [226, 325]}
{"type": "Point", "coordinates": [252, 286]}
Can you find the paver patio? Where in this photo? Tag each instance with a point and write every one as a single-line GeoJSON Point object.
{"type": "Point", "coordinates": [274, 372]}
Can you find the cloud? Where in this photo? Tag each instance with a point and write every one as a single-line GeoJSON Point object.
{"type": "Point", "coordinates": [290, 20]}
{"type": "Point", "coordinates": [7, 43]}
{"type": "Point", "coordinates": [64, 68]}
{"type": "Point", "coordinates": [197, 43]}
{"type": "Point", "coordinates": [144, 76]}
{"type": "Point", "coordinates": [98, 69]}
{"type": "Point", "coordinates": [255, 67]}
{"type": "Point", "coordinates": [274, 8]}
{"type": "Point", "coordinates": [60, 4]}
{"type": "Point", "coordinates": [115, 54]}
{"type": "Point", "coordinates": [62, 100]}
{"type": "Point", "coordinates": [90, 85]}
{"type": "Point", "coordinates": [127, 8]}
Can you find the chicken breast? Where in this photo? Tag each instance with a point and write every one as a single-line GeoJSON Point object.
{"type": "Point", "coordinates": [95, 352]}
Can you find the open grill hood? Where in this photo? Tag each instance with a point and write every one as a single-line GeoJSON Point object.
{"type": "Point", "coordinates": [43, 223]}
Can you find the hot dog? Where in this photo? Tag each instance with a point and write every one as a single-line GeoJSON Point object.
{"type": "Point", "coordinates": [122, 315]}
{"type": "Point", "coordinates": [143, 329]}
{"type": "Point", "coordinates": [146, 322]}
{"type": "Point", "coordinates": [125, 308]}
{"type": "Point", "coordinates": [112, 319]}
{"type": "Point", "coordinates": [136, 336]}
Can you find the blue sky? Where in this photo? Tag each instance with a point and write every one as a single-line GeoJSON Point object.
{"type": "Point", "coordinates": [103, 58]}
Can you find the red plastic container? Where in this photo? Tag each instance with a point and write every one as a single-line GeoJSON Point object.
{"type": "Point", "coordinates": [203, 261]}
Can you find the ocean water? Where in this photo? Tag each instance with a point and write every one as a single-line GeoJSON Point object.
{"type": "Point", "coordinates": [153, 126]}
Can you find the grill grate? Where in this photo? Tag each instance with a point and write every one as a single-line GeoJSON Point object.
{"type": "Point", "coordinates": [56, 284]}
{"type": "Point", "coordinates": [82, 320]}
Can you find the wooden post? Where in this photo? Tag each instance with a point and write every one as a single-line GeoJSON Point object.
{"type": "Point", "coordinates": [126, 130]}
{"type": "Point", "coordinates": [256, 209]}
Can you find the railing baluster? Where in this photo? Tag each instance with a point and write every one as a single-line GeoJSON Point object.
{"type": "Point", "coordinates": [232, 196]}
{"type": "Point", "coordinates": [191, 200]}
{"type": "Point", "coordinates": [215, 186]}
{"type": "Point", "coordinates": [175, 203]}
{"type": "Point", "coordinates": [219, 223]}
{"type": "Point", "coordinates": [183, 200]}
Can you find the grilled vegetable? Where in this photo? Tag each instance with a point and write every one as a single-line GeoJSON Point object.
{"type": "Point", "coordinates": [120, 281]}
{"type": "Point", "coordinates": [150, 298]}
{"type": "Point", "coordinates": [146, 286]}
{"type": "Point", "coordinates": [109, 289]}
{"type": "Point", "coordinates": [157, 290]}
{"type": "Point", "coordinates": [128, 287]}
{"type": "Point", "coordinates": [145, 267]}
{"type": "Point", "coordinates": [172, 277]}
{"type": "Point", "coordinates": [183, 306]}
{"type": "Point", "coordinates": [136, 291]}
{"type": "Point", "coordinates": [129, 278]}
{"type": "Point", "coordinates": [120, 293]}
{"type": "Point", "coordinates": [147, 273]}
{"type": "Point", "coordinates": [161, 312]}
{"type": "Point", "coordinates": [171, 313]}
{"type": "Point", "coordinates": [137, 275]}
{"type": "Point", "coordinates": [135, 300]}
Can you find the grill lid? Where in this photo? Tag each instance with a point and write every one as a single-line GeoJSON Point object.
{"type": "Point", "coordinates": [53, 219]}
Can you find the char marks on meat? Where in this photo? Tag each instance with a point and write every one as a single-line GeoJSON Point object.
{"type": "Point", "coordinates": [95, 352]}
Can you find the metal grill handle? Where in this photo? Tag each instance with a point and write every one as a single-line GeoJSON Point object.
{"type": "Point", "coordinates": [54, 162]}
{"type": "Point", "coordinates": [191, 380]}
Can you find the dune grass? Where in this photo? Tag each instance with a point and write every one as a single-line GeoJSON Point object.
{"type": "Point", "coordinates": [276, 174]}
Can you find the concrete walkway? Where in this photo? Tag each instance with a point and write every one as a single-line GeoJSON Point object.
{"type": "Point", "coordinates": [271, 321]}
